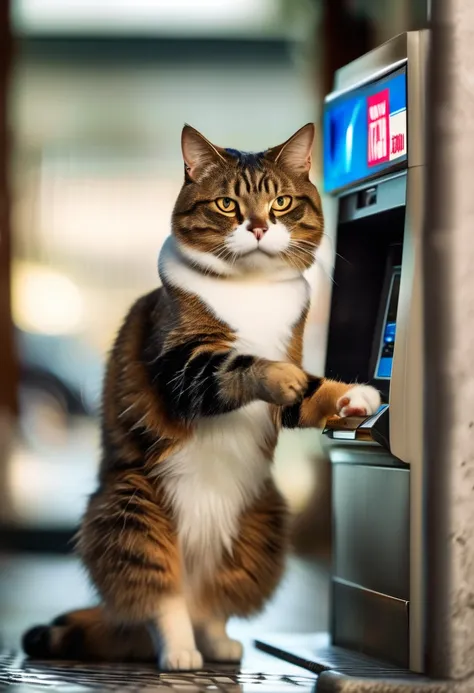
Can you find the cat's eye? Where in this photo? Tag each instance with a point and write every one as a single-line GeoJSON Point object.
{"type": "Point", "coordinates": [281, 203]}
{"type": "Point", "coordinates": [226, 205]}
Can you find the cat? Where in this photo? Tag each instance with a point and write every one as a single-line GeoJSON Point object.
{"type": "Point", "coordinates": [187, 527]}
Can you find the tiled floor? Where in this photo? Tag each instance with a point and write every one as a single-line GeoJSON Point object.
{"type": "Point", "coordinates": [34, 589]}
{"type": "Point", "coordinates": [71, 677]}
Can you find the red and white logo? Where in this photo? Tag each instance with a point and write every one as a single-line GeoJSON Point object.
{"type": "Point", "coordinates": [378, 123]}
{"type": "Point", "coordinates": [398, 134]}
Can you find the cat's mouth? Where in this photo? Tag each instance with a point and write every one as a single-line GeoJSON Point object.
{"type": "Point", "coordinates": [255, 251]}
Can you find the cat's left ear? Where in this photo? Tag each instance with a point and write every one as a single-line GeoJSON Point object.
{"type": "Point", "coordinates": [198, 152]}
{"type": "Point", "coordinates": [295, 153]}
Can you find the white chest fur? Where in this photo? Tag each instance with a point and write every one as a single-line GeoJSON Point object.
{"type": "Point", "coordinates": [221, 470]}
{"type": "Point", "coordinates": [214, 478]}
{"type": "Point", "coordinates": [261, 311]}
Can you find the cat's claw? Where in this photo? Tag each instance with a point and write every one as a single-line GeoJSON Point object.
{"type": "Point", "coordinates": [360, 400]}
{"type": "Point", "coordinates": [181, 660]}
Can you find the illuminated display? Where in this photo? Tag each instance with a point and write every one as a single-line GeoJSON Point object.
{"type": "Point", "coordinates": [365, 132]}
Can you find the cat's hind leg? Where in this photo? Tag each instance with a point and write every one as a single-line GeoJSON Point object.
{"type": "Point", "coordinates": [246, 578]}
{"type": "Point", "coordinates": [87, 635]}
{"type": "Point", "coordinates": [129, 544]}
{"type": "Point", "coordinates": [173, 635]}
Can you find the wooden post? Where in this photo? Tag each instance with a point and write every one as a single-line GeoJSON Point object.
{"type": "Point", "coordinates": [8, 363]}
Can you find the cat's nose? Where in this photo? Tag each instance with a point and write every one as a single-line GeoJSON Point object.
{"type": "Point", "coordinates": [258, 227]}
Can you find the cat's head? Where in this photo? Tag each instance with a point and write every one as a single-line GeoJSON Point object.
{"type": "Point", "coordinates": [240, 212]}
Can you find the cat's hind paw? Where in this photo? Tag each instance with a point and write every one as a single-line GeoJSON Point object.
{"type": "Point", "coordinates": [360, 400]}
{"type": "Point", "coordinates": [222, 649]}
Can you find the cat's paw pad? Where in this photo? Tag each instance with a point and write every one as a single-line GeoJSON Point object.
{"type": "Point", "coordinates": [222, 649]}
{"type": "Point", "coordinates": [284, 384]}
{"type": "Point", "coordinates": [360, 400]}
{"type": "Point", "coordinates": [181, 660]}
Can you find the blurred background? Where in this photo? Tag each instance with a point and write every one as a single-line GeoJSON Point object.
{"type": "Point", "coordinates": [93, 96]}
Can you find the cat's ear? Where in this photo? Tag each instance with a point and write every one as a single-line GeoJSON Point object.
{"type": "Point", "coordinates": [295, 153]}
{"type": "Point", "coordinates": [198, 152]}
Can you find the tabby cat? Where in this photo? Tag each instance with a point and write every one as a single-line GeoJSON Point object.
{"type": "Point", "coordinates": [187, 528]}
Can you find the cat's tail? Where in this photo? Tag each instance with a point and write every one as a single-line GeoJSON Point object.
{"type": "Point", "coordinates": [86, 635]}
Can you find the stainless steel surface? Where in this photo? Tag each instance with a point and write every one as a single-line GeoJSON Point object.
{"type": "Point", "coordinates": [370, 66]}
{"type": "Point", "coordinates": [370, 77]}
{"type": "Point", "coordinates": [417, 53]}
{"type": "Point", "coordinates": [406, 402]}
{"type": "Point", "coordinates": [370, 622]}
{"type": "Point", "coordinates": [371, 520]}
{"type": "Point", "coordinates": [357, 452]}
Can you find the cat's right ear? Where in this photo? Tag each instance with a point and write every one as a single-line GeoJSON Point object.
{"type": "Point", "coordinates": [198, 153]}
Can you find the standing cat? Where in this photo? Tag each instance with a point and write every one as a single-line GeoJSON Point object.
{"type": "Point", "coordinates": [187, 528]}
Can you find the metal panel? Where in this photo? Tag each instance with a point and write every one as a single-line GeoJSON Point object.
{"type": "Point", "coordinates": [369, 622]}
{"type": "Point", "coordinates": [371, 520]}
{"type": "Point", "coordinates": [406, 401]}
{"type": "Point", "coordinates": [372, 65]}
{"type": "Point", "coordinates": [389, 193]}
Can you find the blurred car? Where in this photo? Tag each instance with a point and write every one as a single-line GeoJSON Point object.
{"type": "Point", "coordinates": [61, 371]}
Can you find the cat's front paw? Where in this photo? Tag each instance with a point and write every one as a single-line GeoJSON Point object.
{"type": "Point", "coordinates": [283, 383]}
{"type": "Point", "coordinates": [181, 660]}
{"type": "Point", "coordinates": [360, 400]}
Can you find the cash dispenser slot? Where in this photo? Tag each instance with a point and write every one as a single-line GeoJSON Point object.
{"type": "Point", "coordinates": [371, 429]}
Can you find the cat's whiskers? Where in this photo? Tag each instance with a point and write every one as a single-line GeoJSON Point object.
{"type": "Point", "coordinates": [292, 260]}
{"type": "Point", "coordinates": [296, 252]}
{"type": "Point", "coordinates": [304, 241]}
{"type": "Point", "coordinates": [228, 255]}
{"type": "Point", "coordinates": [222, 252]}
{"type": "Point", "coordinates": [331, 241]}
{"type": "Point", "coordinates": [296, 247]}
{"type": "Point", "coordinates": [324, 270]}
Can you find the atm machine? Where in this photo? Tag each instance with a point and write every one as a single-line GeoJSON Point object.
{"type": "Point", "coordinates": [374, 165]}
{"type": "Point", "coordinates": [374, 162]}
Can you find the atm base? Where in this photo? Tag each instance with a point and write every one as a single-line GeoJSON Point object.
{"type": "Point", "coordinates": [345, 671]}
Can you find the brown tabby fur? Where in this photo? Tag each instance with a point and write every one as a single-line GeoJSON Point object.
{"type": "Point", "coordinates": [128, 539]}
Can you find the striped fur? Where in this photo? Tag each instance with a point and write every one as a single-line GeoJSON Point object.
{"type": "Point", "coordinates": [186, 527]}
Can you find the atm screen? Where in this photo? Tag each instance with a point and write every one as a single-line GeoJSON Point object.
{"type": "Point", "coordinates": [383, 368]}
{"type": "Point", "coordinates": [365, 132]}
